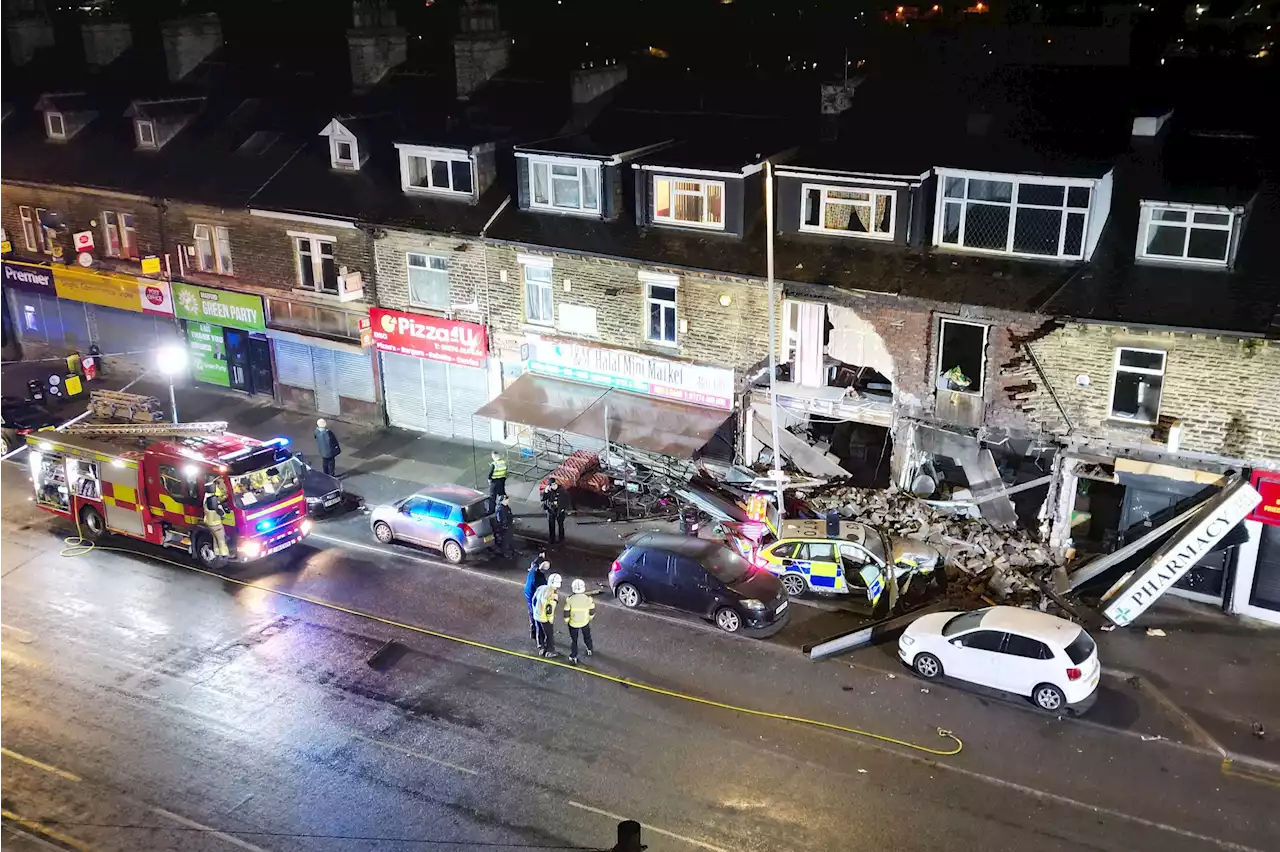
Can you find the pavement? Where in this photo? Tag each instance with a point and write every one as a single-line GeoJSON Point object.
{"type": "Point", "coordinates": [148, 706]}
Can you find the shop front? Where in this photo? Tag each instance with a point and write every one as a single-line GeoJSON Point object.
{"type": "Point", "coordinates": [435, 373]}
{"type": "Point", "coordinates": [1256, 590]}
{"type": "Point", "coordinates": [226, 336]}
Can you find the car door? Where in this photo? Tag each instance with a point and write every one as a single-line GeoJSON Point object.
{"type": "Point", "coordinates": [440, 525]}
{"type": "Point", "coordinates": [976, 657]}
{"type": "Point", "coordinates": [691, 586]}
{"type": "Point", "coordinates": [656, 577]}
{"type": "Point", "coordinates": [1028, 663]}
{"type": "Point", "coordinates": [410, 521]}
{"type": "Point", "coordinates": [819, 558]}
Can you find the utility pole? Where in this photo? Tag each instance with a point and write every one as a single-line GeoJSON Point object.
{"type": "Point", "coordinates": [776, 471]}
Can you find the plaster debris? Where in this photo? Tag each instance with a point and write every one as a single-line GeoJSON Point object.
{"type": "Point", "coordinates": [1156, 631]}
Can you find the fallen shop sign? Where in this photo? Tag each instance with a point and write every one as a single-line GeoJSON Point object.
{"type": "Point", "coordinates": [1209, 525]}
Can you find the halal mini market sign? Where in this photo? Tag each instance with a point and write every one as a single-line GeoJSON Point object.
{"type": "Point", "coordinates": [218, 307]}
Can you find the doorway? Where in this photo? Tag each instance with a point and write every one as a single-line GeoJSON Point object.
{"type": "Point", "coordinates": [260, 372]}
{"type": "Point", "coordinates": [237, 342]}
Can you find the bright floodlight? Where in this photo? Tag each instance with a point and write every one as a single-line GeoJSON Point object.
{"type": "Point", "coordinates": [172, 360]}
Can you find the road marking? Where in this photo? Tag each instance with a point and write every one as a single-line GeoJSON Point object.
{"type": "Point", "coordinates": [45, 831]}
{"type": "Point", "coordinates": [701, 844]}
{"type": "Point", "coordinates": [412, 753]}
{"type": "Point", "coordinates": [21, 635]}
{"type": "Point", "coordinates": [1229, 767]}
{"type": "Point", "coordinates": [31, 761]}
{"type": "Point", "coordinates": [1195, 728]}
{"type": "Point", "coordinates": [208, 829]}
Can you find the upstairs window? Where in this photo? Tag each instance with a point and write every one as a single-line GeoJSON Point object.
{"type": "Point", "coordinates": [1137, 384]}
{"type": "Point", "coordinates": [317, 263]}
{"type": "Point", "coordinates": [1186, 234]}
{"type": "Point", "coordinates": [213, 249]}
{"type": "Point", "coordinates": [962, 357]}
{"type": "Point", "coordinates": [685, 201]}
{"type": "Point", "coordinates": [539, 293]}
{"type": "Point", "coordinates": [1037, 218]}
{"type": "Point", "coordinates": [564, 186]}
{"type": "Point", "coordinates": [434, 170]}
{"type": "Point", "coordinates": [32, 234]}
{"type": "Point", "coordinates": [661, 309]}
{"type": "Point", "coordinates": [342, 154]}
{"type": "Point", "coordinates": [146, 133]}
{"type": "Point", "coordinates": [119, 235]}
{"type": "Point", "coordinates": [55, 126]}
{"type": "Point", "coordinates": [428, 280]}
{"type": "Point", "coordinates": [850, 211]}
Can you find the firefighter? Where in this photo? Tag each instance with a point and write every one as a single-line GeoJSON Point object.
{"type": "Point", "coordinates": [553, 503]}
{"type": "Point", "coordinates": [497, 476]}
{"type": "Point", "coordinates": [213, 512]}
{"type": "Point", "coordinates": [545, 601]}
{"type": "Point", "coordinates": [579, 609]}
{"type": "Point", "coordinates": [537, 579]}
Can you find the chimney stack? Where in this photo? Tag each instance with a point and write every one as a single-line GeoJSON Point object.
{"type": "Point", "coordinates": [481, 49]}
{"type": "Point", "coordinates": [28, 34]}
{"type": "Point", "coordinates": [188, 42]}
{"type": "Point", "coordinates": [104, 41]}
{"type": "Point", "coordinates": [375, 44]}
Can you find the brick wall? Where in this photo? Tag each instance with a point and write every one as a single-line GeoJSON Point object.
{"type": "Point", "coordinates": [735, 336]}
{"type": "Point", "coordinates": [81, 211]}
{"type": "Point", "coordinates": [1223, 389]}
{"type": "Point", "coordinates": [466, 271]}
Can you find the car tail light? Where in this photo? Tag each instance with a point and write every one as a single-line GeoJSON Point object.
{"type": "Point", "coordinates": [25, 431]}
{"type": "Point", "coordinates": [1073, 674]}
{"type": "Point", "coordinates": [615, 567]}
{"type": "Point", "coordinates": [467, 530]}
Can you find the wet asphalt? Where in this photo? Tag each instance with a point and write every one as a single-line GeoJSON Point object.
{"type": "Point", "coordinates": [173, 710]}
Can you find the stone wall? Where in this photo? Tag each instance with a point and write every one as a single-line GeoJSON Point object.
{"type": "Point", "coordinates": [466, 272]}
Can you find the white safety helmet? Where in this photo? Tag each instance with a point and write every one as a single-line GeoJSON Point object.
{"type": "Point", "coordinates": [579, 587]}
{"type": "Point", "coordinates": [544, 566]}
{"type": "Point", "coordinates": [554, 581]}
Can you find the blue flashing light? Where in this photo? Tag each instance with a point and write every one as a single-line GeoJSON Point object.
{"type": "Point", "coordinates": [282, 442]}
{"type": "Point", "coordinates": [263, 526]}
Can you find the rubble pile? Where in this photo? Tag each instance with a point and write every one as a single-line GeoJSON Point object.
{"type": "Point", "coordinates": [1006, 563]}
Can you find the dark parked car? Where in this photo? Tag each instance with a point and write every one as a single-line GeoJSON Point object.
{"type": "Point", "coordinates": [21, 416]}
{"type": "Point", "coordinates": [700, 576]}
{"type": "Point", "coordinates": [324, 492]}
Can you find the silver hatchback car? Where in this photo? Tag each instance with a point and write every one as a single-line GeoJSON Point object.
{"type": "Point", "coordinates": [456, 521]}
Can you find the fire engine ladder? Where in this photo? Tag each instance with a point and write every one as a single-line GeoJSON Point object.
{"type": "Point", "coordinates": [148, 430]}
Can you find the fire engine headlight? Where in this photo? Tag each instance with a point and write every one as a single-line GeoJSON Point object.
{"type": "Point", "coordinates": [306, 526]}
{"type": "Point", "coordinates": [250, 548]}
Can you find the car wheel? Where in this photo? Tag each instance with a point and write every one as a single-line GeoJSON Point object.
{"type": "Point", "coordinates": [1049, 697]}
{"type": "Point", "coordinates": [205, 551]}
{"type": "Point", "coordinates": [795, 585]}
{"type": "Point", "coordinates": [453, 551]}
{"type": "Point", "coordinates": [382, 532]}
{"type": "Point", "coordinates": [628, 595]}
{"type": "Point", "coordinates": [4, 446]}
{"type": "Point", "coordinates": [92, 526]}
{"type": "Point", "coordinates": [728, 620]}
{"type": "Point", "coordinates": [927, 666]}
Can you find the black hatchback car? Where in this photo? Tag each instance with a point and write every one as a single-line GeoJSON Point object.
{"type": "Point", "coordinates": [699, 576]}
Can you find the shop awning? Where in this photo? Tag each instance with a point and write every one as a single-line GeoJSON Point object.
{"type": "Point", "coordinates": [660, 426]}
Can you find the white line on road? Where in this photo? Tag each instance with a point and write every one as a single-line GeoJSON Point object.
{"type": "Point", "coordinates": [208, 829]}
{"type": "Point", "coordinates": [692, 841]}
{"type": "Point", "coordinates": [412, 753]}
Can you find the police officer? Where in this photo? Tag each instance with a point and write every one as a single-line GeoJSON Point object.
{"type": "Point", "coordinates": [213, 511]}
{"type": "Point", "coordinates": [579, 609]}
{"type": "Point", "coordinates": [537, 579]}
{"type": "Point", "coordinates": [497, 475]}
{"type": "Point", "coordinates": [504, 526]}
{"type": "Point", "coordinates": [553, 503]}
{"type": "Point", "coordinates": [545, 601]}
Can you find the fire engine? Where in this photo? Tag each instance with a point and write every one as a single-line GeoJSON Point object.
{"type": "Point", "coordinates": [147, 481]}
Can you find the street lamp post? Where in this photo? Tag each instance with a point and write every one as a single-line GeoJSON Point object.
{"type": "Point", "coordinates": [172, 360]}
{"type": "Point", "coordinates": [775, 472]}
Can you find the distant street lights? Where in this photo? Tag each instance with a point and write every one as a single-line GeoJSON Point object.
{"type": "Point", "coordinates": [172, 360]}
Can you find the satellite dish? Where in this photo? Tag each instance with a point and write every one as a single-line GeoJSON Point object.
{"type": "Point", "coordinates": [84, 259]}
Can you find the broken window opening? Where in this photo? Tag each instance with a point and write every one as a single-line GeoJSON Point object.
{"type": "Point", "coordinates": [962, 357]}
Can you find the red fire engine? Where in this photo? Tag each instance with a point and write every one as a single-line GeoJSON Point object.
{"type": "Point", "coordinates": [147, 481]}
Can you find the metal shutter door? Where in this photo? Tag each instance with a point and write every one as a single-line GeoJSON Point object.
{"type": "Point", "coordinates": [122, 331]}
{"type": "Point", "coordinates": [355, 376]}
{"type": "Point", "coordinates": [293, 365]}
{"type": "Point", "coordinates": [68, 325]}
{"type": "Point", "coordinates": [326, 382]}
{"type": "Point", "coordinates": [468, 391]}
{"type": "Point", "coordinates": [402, 391]}
{"type": "Point", "coordinates": [436, 397]}
{"type": "Point", "coordinates": [1266, 577]}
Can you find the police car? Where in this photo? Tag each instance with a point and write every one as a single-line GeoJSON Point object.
{"type": "Point", "coordinates": [808, 558]}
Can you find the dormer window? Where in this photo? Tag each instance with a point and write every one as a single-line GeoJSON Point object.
{"type": "Point", "coordinates": [1183, 233]}
{"type": "Point", "coordinates": [344, 148]}
{"type": "Point", "coordinates": [558, 184]}
{"type": "Point", "coordinates": [850, 211]}
{"type": "Point", "coordinates": [435, 170]}
{"type": "Point", "coordinates": [689, 201]}
{"type": "Point", "coordinates": [344, 154]}
{"type": "Point", "coordinates": [1039, 217]}
{"type": "Point", "coordinates": [55, 126]}
{"type": "Point", "coordinates": [146, 133]}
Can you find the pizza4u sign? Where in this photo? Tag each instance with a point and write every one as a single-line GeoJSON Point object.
{"type": "Point", "coordinates": [463, 343]}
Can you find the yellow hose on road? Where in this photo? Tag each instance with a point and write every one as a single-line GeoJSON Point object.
{"type": "Point", "coordinates": [79, 546]}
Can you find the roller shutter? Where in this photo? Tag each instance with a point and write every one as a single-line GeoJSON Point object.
{"type": "Point", "coordinates": [402, 391]}
{"type": "Point", "coordinates": [468, 391]}
{"type": "Point", "coordinates": [326, 387]}
{"type": "Point", "coordinates": [293, 365]}
{"type": "Point", "coordinates": [125, 331]}
{"type": "Point", "coordinates": [354, 375]}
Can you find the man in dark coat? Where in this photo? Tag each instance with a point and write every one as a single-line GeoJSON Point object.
{"type": "Point", "coordinates": [504, 526]}
{"type": "Point", "coordinates": [537, 577]}
{"type": "Point", "coordinates": [555, 504]}
{"type": "Point", "coordinates": [327, 444]}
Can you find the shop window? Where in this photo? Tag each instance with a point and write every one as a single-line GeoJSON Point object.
{"type": "Point", "coordinates": [317, 263]}
{"type": "Point", "coordinates": [962, 356]}
{"type": "Point", "coordinates": [1137, 384]}
{"type": "Point", "coordinates": [539, 300]}
{"type": "Point", "coordinates": [660, 309]}
{"type": "Point", "coordinates": [428, 280]}
{"type": "Point", "coordinates": [120, 235]}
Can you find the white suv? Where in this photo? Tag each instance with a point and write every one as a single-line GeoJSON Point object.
{"type": "Point", "coordinates": [1042, 657]}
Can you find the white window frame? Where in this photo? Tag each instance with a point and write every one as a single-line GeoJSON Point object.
{"type": "Point", "coordinates": [448, 155]}
{"type": "Point", "coordinates": [706, 206]}
{"type": "Point", "coordinates": [873, 192]}
{"type": "Point", "coordinates": [427, 258]}
{"type": "Point", "coordinates": [31, 236]}
{"type": "Point", "coordinates": [1116, 369]}
{"type": "Point", "coordinates": [143, 140]}
{"type": "Point", "coordinates": [1148, 223]}
{"type": "Point", "coordinates": [49, 116]}
{"type": "Point", "coordinates": [219, 239]}
{"type": "Point", "coordinates": [317, 261]}
{"type": "Point", "coordinates": [588, 171]}
{"type": "Point", "coordinates": [986, 341]}
{"type": "Point", "coordinates": [1016, 181]}
{"type": "Point", "coordinates": [650, 280]}
{"type": "Point", "coordinates": [336, 159]}
{"type": "Point", "coordinates": [543, 265]}
{"type": "Point", "coordinates": [120, 239]}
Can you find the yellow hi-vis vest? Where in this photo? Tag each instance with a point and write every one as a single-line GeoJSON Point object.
{"type": "Point", "coordinates": [212, 517]}
{"type": "Point", "coordinates": [499, 469]}
{"type": "Point", "coordinates": [578, 610]}
{"type": "Point", "coordinates": [545, 601]}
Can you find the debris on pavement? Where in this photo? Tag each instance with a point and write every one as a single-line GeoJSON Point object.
{"type": "Point", "coordinates": [925, 690]}
{"type": "Point", "coordinates": [1259, 731]}
{"type": "Point", "coordinates": [1107, 628]}
{"type": "Point", "coordinates": [1156, 631]}
{"type": "Point", "coordinates": [1149, 738]}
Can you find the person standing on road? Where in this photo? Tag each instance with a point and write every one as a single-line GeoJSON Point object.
{"type": "Point", "coordinates": [327, 444]}
{"type": "Point", "coordinates": [545, 601]}
{"type": "Point", "coordinates": [213, 512]}
{"type": "Point", "coordinates": [537, 579]}
{"type": "Point", "coordinates": [579, 609]}
{"type": "Point", "coordinates": [504, 526]}
{"type": "Point", "coordinates": [497, 475]}
{"type": "Point", "coordinates": [553, 503]}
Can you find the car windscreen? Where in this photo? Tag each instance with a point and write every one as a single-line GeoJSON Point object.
{"type": "Point", "coordinates": [473, 512]}
{"type": "Point", "coordinates": [874, 543]}
{"type": "Point", "coordinates": [267, 485]}
{"type": "Point", "coordinates": [1080, 648]}
{"type": "Point", "coordinates": [964, 621]}
{"type": "Point", "coordinates": [725, 565]}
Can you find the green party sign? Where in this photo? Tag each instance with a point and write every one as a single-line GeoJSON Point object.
{"type": "Point", "coordinates": [208, 354]}
{"type": "Point", "coordinates": [219, 307]}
